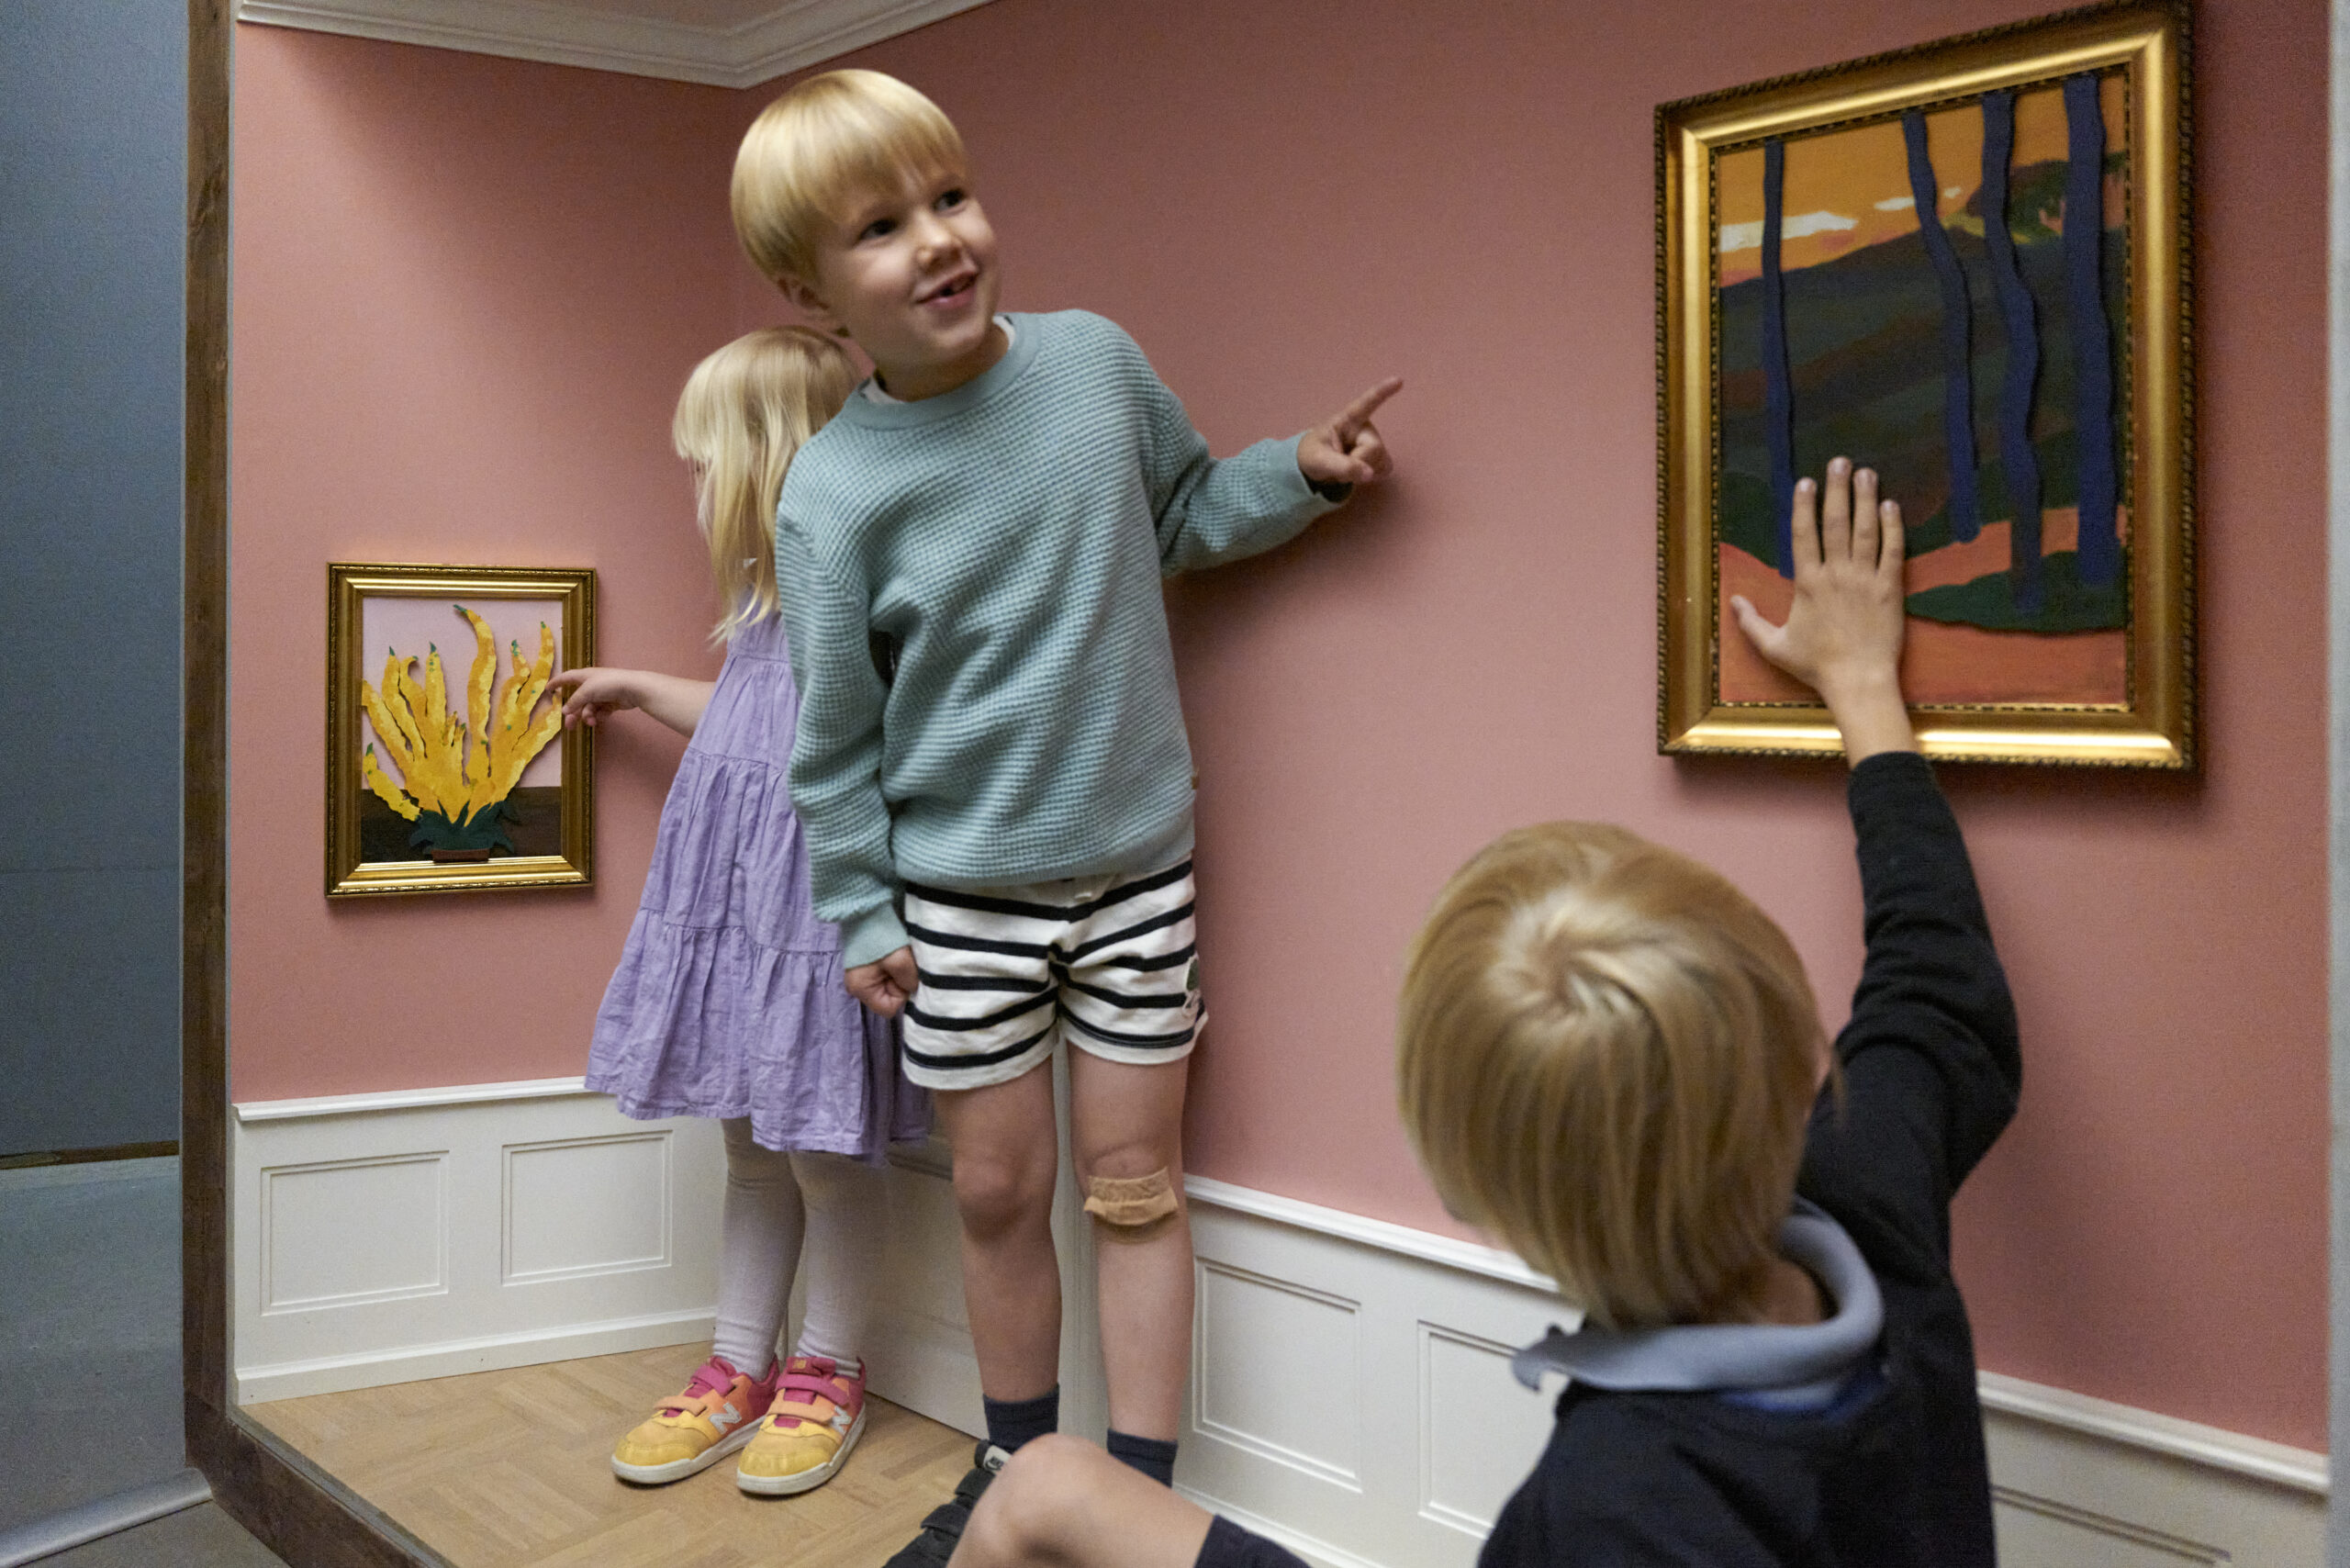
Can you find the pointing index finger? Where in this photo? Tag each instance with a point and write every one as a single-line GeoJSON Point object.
{"type": "Point", "coordinates": [1357, 413]}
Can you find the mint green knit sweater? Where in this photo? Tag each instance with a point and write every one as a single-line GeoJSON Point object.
{"type": "Point", "coordinates": [1007, 538]}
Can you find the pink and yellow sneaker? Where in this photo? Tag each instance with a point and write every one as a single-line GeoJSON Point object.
{"type": "Point", "coordinates": [818, 1415]}
{"type": "Point", "coordinates": [692, 1432]}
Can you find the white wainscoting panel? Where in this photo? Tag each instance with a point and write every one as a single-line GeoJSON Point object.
{"type": "Point", "coordinates": [1350, 1391]}
{"type": "Point", "coordinates": [2087, 1483]}
{"type": "Point", "coordinates": [381, 1239]}
{"type": "Point", "coordinates": [1352, 1399]}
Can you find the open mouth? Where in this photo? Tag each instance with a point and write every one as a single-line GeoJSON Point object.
{"type": "Point", "coordinates": [953, 289]}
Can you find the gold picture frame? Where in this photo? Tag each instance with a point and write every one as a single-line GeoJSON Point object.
{"type": "Point", "coordinates": [460, 801]}
{"type": "Point", "coordinates": [1838, 337]}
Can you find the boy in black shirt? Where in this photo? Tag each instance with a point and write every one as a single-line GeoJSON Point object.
{"type": "Point", "coordinates": [1610, 1060]}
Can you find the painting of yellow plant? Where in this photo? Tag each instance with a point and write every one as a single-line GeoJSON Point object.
{"type": "Point", "coordinates": [455, 773]}
{"type": "Point", "coordinates": [449, 767]}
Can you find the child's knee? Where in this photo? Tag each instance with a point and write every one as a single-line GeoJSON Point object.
{"type": "Point", "coordinates": [1020, 1517]}
{"type": "Point", "coordinates": [999, 1192]}
{"type": "Point", "coordinates": [1130, 1198]}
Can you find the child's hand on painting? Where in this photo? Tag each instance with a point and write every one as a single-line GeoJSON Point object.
{"type": "Point", "coordinates": [1843, 637]}
{"type": "Point", "coordinates": [885, 985]}
{"type": "Point", "coordinates": [592, 692]}
{"type": "Point", "coordinates": [1345, 449]}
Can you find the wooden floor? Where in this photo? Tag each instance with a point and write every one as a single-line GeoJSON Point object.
{"type": "Point", "coordinates": [496, 1470]}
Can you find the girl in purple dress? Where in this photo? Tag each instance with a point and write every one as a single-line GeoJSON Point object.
{"type": "Point", "coordinates": [729, 1002]}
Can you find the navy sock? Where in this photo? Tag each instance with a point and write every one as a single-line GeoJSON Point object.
{"type": "Point", "coordinates": [1012, 1422]}
{"type": "Point", "coordinates": [1155, 1457]}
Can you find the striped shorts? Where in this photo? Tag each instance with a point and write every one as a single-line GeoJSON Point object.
{"type": "Point", "coordinates": [1107, 960]}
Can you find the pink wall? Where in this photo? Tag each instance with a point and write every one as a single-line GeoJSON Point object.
{"type": "Point", "coordinates": [1283, 202]}
{"type": "Point", "coordinates": [466, 291]}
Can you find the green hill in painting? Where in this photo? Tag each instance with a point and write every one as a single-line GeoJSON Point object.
{"type": "Point", "coordinates": [1865, 355]}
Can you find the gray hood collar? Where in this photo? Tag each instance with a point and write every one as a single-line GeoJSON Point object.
{"type": "Point", "coordinates": [1740, 1357]}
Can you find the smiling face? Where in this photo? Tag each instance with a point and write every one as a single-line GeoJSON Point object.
{"type": "Point", "coordinates": [911, 275]}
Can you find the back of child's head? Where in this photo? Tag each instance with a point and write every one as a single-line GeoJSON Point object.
{"type": "Point", "coordinates": [746, 411]}
{"type": "Point", "coordinates": [814, 152]}
{"type": "Point", "coordinates": [1608, 1059]}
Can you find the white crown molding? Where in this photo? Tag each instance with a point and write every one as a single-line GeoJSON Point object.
{"type": "Point", "coordinates": [801, 33]}
{"type": "Point", "coordinates": [797, 34]}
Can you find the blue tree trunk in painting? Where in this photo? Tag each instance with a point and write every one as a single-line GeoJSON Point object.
{"type": "Point", "coordinates": [2100, 548]}
{"type": "Point", "coordinates": [1958, 370]}
{"type": "Point", "coordinates": [1778, 406]}
{"type": "Point", "coordinates": [2017, 459]}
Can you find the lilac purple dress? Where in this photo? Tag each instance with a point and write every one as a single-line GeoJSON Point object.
{"type": "Point", "coordinates": [728, 1001]}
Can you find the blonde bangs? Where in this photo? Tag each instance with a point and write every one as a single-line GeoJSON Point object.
{"type": "Point", "coordinates": [1607, 1057]}
{"type": "Point", "coordinates": [745, 413]}
{"type": "Point", "coordinates": [816, 151]}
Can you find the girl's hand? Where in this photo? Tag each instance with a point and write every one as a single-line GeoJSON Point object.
{"type": "Point", "coordinates": [671, 699]}
{"type": "Point", "coordinates": [1843, 632]}
{"type": "Point", "coordinates": [590, 693]}
{"type": "Point", "coordinates": [1345, 449]}
{"type": "Point", "coordinates": [885, 985]}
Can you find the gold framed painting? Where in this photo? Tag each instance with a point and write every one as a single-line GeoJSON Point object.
{"type": "Point", "coordinates": [448, 766]}
{"type": "Point", "coordinates": [1964, 265]}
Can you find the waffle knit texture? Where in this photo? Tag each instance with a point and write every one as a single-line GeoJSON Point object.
{"type": "Point", "coordinates": [1005, 540]}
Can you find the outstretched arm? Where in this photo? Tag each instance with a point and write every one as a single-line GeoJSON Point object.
{"type": "Point", "coordinates": [1844, 634]}
{"type": "Point", "coordinates": [1931, 1054]}
{"type": "Point", "coordinates": [1206, 511]}
{"type": "Point", "coordinates": [591, 692]}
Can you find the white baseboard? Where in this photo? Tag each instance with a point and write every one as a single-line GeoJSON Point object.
{"type": "Point", "coordinates": [1350, 1396]}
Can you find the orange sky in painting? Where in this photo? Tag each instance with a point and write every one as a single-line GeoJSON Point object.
{"type": "Point", "coordinates": [1845, 177]}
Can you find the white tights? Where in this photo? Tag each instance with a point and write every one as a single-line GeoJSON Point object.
{"type": "Point", "coordinates": [774, 1200]}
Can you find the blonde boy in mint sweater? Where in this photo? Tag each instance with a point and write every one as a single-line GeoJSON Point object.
{"type": "Point", "coordinates": [991, 763]}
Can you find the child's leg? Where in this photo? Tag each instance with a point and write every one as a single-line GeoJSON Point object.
{"type": "Point", "coordinates": [760, 1232]}
{"type": "Point", "coordinates": [1006, 1151]}
{"type": "Point", "coordinates": [723, 1405]}
{"type": "Point", "coordinates": [1065, 1503]}
{"type": "Point", "coordinates": [847, 1212]}
{"type": "Point", "coordinates": [1125, 1131]}
{"type": "Point", "coordinates": [819, 1410]}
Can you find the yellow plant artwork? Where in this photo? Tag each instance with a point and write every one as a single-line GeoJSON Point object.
{"type": "Point", "coordinates": [455, 773]}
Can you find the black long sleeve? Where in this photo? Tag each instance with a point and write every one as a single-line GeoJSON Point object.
{"type": "Point", "coordinates": [1930, 1059]}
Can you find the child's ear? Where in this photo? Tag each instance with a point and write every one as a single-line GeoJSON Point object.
{"type": "Point", "coordinates": [809, 303]}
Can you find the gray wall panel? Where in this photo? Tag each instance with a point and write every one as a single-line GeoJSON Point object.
{"type": "Point", "coordinates": [92, 159]}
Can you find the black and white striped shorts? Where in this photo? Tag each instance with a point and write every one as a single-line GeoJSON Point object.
{"type": "Point", "coordinates": [1109, 961]}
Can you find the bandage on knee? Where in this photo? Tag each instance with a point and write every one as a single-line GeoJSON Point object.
{"type": "Point", "coordinates": [1130, 1207]}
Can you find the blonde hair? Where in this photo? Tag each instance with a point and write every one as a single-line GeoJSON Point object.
{"type": "Point", "coordinates": [746, 411]}
{"type": "Point", "coordinates": [813, 152]}
{"type": "Point", "coordinates": [1607, 1056]}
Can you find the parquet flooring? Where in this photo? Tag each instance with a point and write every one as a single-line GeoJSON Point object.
{"type": "Point", "coordinates": [502, 1469]}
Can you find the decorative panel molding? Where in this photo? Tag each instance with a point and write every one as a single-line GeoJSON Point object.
{"type": "Point", "coordinates": [578, 1207]}
{"type": "Point", "coordinates": [1372, 1417]}
{"type": "Point", "coordinates": [384, 1239]}
{"type": "Point", "coordinates": [794, 35]}
{"type": "Point", "coordinates": [1276, 1372]}
{"type": "Point", "coordinates": [306, 1262]}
